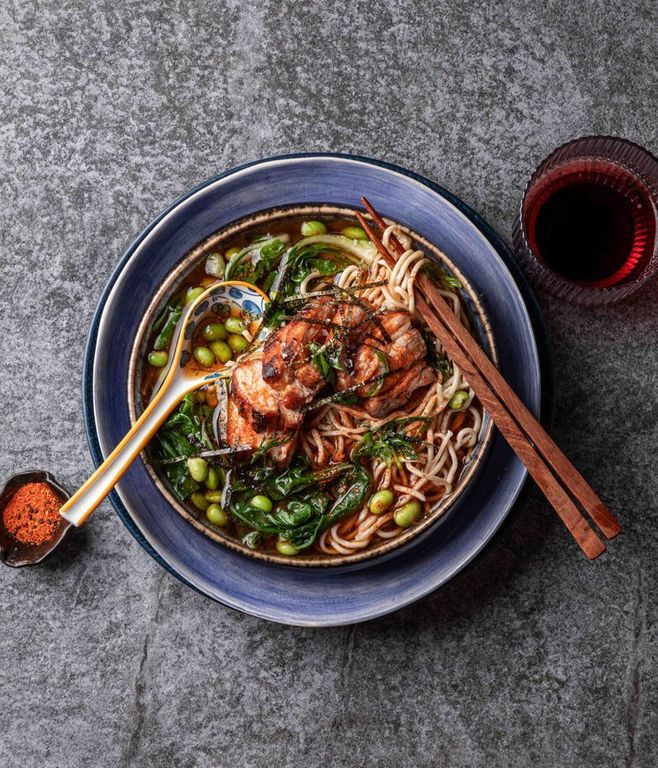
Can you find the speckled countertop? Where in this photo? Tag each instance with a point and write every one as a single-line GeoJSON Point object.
{"type": "Point", "coordinates": [108, 111]}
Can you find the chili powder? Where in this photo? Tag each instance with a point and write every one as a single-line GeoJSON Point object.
{"type": "Point", "coordinates": [32, 515]}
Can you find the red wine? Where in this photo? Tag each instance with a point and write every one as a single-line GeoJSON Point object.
{"type": "Point", "coordinates": [591, 221]}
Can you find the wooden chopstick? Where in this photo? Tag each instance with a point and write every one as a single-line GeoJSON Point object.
{"type": "Point", "coordinates": [477, 368]}
{"type": "Point", "coordinates": [579, 487]}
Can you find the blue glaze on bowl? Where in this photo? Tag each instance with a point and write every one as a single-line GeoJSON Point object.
{"type": "Point", "coordinates": [250, 307]}
{"type": "Point", "coordinates": [300, 596]}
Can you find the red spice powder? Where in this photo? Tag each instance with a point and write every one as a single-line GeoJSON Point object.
{"type": "Point", "coordinates": [32, 515]}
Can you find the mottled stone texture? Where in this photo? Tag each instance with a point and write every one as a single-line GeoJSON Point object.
{"type": "Point", "coordinates": [108, 111]}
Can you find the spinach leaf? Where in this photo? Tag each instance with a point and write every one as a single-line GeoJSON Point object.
{"type": "Point", "coordinates": [304, 259]}
{"type": "Point", "coordinates": [166, 324]}
{"type": "Point", "coordinates": [352, 491]}
{"type": "Point", "coordinates": [256, 261]}
{"type": "Point", "coordinates": [295, 479]}
{"type": "Point", "coordinates": [181, 481]}
{"type": "Point", "coordinates": [183, 434]}
{"type": "Point", "coordinates": [442, 277]}
{"type": "Point", "coordinates": [307, 502]}
{"type": "Point", "coordinates": [390, 444]}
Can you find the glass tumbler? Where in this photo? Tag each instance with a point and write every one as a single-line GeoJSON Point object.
{"type": "Point", "coordinates": [587, 224]}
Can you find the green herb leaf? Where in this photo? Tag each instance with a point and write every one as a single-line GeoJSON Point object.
{"type": "Point", "coordinates": [307, 502]}
{"type": "Point", "coordinates": [390, 444]}
{"type": "Point", "coordinates": [450, 281]}
{"type": "Point", "coordinates": [442, 277]}
{"type": "Point", "coordinates": [256, 261]}
{"type": "Point", "coordinates": [440, 362]}
{"type": "Point", "coordinates": [383, 369]}
{"type": "Point", "coordinates": [348, 398]}
{"type": "Point", "coordinates": [183, 434]}
{"type": "Point", "coordinates": [320, 361]}
{"type": "Point", "coordinates": [167, 324]}
{"type": "Point", "coordinates": [269, 445]}
{"type": "Point", "coordinates": [252, 539]}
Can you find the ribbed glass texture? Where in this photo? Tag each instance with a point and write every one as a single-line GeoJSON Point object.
{"type": "Point", "coordinates": [623, 168]}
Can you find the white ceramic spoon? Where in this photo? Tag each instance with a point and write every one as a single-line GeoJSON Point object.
{"type": "Point", "coordinates": [178, 381]}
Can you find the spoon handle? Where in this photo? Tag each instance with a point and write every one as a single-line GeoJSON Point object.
{"type": "Point", "coordinates": [85, 500]}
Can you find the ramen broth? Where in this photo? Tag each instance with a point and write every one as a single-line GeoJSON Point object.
{"type": "Point", "coordinates": [397, 469]}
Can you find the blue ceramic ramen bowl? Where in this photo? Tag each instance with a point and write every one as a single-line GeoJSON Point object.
{"type": "Point", "coordinates": [248, 299]}
{"type": "Point", "coordinates": [312, 597]}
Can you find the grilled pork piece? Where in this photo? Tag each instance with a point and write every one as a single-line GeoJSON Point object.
{"type": "Point", "coordinates": [287, 364]}
{"type": "Point", "coordinates": [267, 391]}
{"type": "Point", "coordinates": [398, 389]}
{"type": "Point", "coordinates": [407, 343]}
{"type": "Point", "coordinates": [388, 343]}
{"type": "Point", "coordinates": [255, 413]}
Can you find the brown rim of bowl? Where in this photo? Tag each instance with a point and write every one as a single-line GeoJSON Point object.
{"type": "Point", "coordinates": [315, 560]}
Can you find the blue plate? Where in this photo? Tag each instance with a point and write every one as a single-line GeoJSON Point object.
{"type": "Point", "coordinates": [288, 595]}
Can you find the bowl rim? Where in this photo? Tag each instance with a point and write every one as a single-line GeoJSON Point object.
{"type": "Point", "coordinates": [191, 258]}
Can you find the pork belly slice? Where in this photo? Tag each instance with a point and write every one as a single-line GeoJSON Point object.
{"type": "Point", "coordinates": [398, 389]}
{"type": "Point", "coordinates": [287, 364]}
{"type": "Point", "coordinates": [255, 413]}
{"type": "Point", "coordinates": [396, 339]}
{"type": "Point", "coordinates": [407, 344]}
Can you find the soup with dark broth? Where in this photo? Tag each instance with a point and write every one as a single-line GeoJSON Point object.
{"type": "Point", "coordinates": [338, 422]}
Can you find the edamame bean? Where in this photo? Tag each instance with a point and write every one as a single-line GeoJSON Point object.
{"type": "Point", "coordinates": [198, 469]}
{"type": "Point", "coordinates": [311, 228]}
{"type": "Point", "coordinates": [286, 548]}
{"type": "Point", "coordinates": [458, 399]}
{"type": "Point", "coordinates": [204, 356]}
{"type": "Point", "coordinates": [232, 252]}
{"type": "Point", "coordinates": [158, 359]}
{"type": "Point", "coordinates": [214, 497]}
{"type": "Point", "coordinates": [221, 350]}
{"type": "Point", "coordinates": [237, 343]}
{"type": "Point", "coordinates": [262, 503]}
{"type": "Point", "coordinates": [354, 233]}
{"type": "Point", "coordinates": [381, 501]}
{"type": "Point", "coordinates": [214, 332]}
{"type": "Point", "coordinates": [199, 501]}
{"type": "Point", "coordinates": [407, 514]}
{"type": "Point", "coordinates": [235, 325]}
{"type": "Point", "coordinates": [216, 515]}
{"type": "Point", "coordinates": [212, 481]}
{"type": "Point", "coordinates": [192, 293]}
{"type": "Point", "coordinates": [215, 265]}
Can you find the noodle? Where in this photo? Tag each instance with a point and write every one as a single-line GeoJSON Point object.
{"type": "Point", "coordinates": [449, 436]}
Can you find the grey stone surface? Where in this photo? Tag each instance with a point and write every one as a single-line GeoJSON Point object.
{"type": "Point", "coordinates": [108, 111]}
